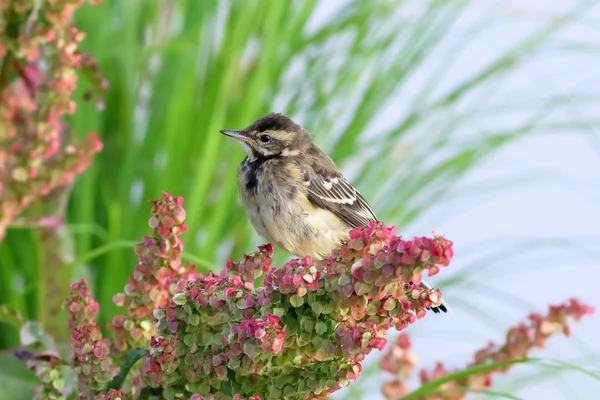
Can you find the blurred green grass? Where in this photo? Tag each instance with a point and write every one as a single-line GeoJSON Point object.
{"type": "Point", "coordinates": [180, 71]}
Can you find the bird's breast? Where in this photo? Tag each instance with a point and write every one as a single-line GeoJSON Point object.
{"type": "Point", "coordinates": [280, 212]}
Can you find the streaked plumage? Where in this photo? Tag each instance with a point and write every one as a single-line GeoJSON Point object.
{"type": "Point", "coordinates": [293, 193]}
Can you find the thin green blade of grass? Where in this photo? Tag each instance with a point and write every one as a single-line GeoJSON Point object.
{"type": "Point", "coordinates": [432, 386]}
{"type": "Point", "coordinates": [491, 393]}
{"type": "Point", "coordinates": [525, 380]}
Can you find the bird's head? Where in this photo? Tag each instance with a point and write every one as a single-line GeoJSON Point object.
{"type": "Point", "coordinates": [271, 136]}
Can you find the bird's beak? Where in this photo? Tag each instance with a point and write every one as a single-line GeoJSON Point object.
{"type": "Point", "coordinates": [239, 135]}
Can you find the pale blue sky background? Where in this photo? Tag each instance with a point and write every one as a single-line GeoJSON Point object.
{"type": "Point", "coordinates": [556, 199]}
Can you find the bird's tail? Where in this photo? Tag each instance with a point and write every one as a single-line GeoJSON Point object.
{"type": "Point", "coordinates": [442, 306]}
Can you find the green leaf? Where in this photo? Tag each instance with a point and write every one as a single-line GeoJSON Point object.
{"type": "Point", "coordinates": [180, 299]}
{"type": "Point", "coordinates": [316, 307]}
{"type": "Point", "coordinates": [132, 357]}
{"type": "Point", "coordinates": [16, 380]}
{"type": "Point", "coordinates": [296, 300]}
{"type": "Point", "coordinates": [321, 327]}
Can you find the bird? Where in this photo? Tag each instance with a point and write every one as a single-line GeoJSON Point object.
{"type": "Point", "coordinates": [294, 194]}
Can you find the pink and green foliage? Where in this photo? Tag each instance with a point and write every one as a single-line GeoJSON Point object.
{"type": "Point", "coordinates": [520, 340]}
{"type": "Point", "coordinates": [39, 154]}
{"type": "Point", "coordinates": [90, 351]}
{"type": "Point", "coordinates": [305, 331]}
{"type": "Point", "coordinates": [154, 278]}
{"type": "Point", "coordinates": [40, 60]}
{"type": "Point", "coordinates": [253, 331]}
{"type": "Point", "coordinates": [301, 334]}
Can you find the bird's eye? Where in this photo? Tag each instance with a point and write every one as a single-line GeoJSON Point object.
{"type": "Point", "coordinates": [265, 138]}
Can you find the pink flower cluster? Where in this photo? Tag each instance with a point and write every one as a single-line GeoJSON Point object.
{"type": "Point", "coordinates": [164, 354]}
{"type": "Point", "coordinates": [90, 351]}
{"type": "Point", "coordinates": [154, 277]}
{"type": "Point", "coordinates": [38, 77]}
{"type": "Point", "coordinates": [301, 335]}
{"type": "Point", "coordinates": [520, 340]}
{"type": "Point", "coordinates": [82, 307]}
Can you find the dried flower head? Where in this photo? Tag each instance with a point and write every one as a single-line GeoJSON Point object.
{"type": "Point", "coordinates": [520, 340]}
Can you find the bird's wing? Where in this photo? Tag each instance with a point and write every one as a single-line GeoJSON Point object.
{"type": "Point", "coordinates": [336, 194]}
